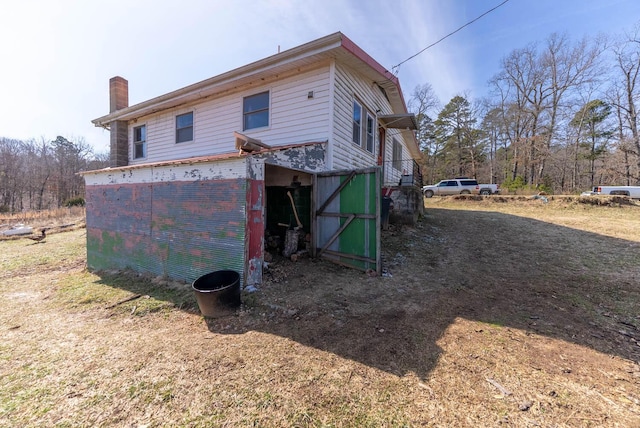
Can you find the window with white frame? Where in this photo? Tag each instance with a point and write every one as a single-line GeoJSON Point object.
{"type": "Point", "coordinates": [370, 133]}
{"type": "Point", "coordinates": [184, 127]}
{"type": "Point", "coordinates": [397, 155]}
{"type": "Point", "coordinates": [139, 142]}
{"type": "Point", "coordinates": [255, 111]}
{"type": "Point", "coordinates": [364, 129]}
{"type": "Point", "coordinates": [357, 122]}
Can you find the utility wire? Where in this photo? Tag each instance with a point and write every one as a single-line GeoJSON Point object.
{"type": "Point", "coordinates": [396, 67]}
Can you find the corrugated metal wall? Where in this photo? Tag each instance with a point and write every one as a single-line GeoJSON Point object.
{"type": "Point", "coordinates": [181, 229]}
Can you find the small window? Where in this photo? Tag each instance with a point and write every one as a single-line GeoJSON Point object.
{"type": "Point", "coordinates": [184, 127]}
{"type": "Point", "coordinates": [139, 142]}
{"type": "Point", "coordinates": [357, 122]}
{"type": "Point", "coordinates": [370, 128]}
{"type": "Point", "coordinates": [364, 128]}
{"type": "Point", "coordinates": [255, 110]}
{"type": "Point", "coordinates": [397, 155]}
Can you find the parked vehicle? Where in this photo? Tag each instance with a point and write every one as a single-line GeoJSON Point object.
{"type": "Point", "coordinates": [488, 189]}
{"type": "Point", "coordinates": [631, 191]}
{"type": "Point", "coordinates": [459, 186]}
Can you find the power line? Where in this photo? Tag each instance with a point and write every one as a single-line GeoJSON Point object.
{"type": "Point", "coordinates": [396, 67]}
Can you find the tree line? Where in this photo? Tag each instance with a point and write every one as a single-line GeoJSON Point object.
{"type": "Point", "coordinates": [37, 175]}
{"type": "Point", "coordinates": [561, 116]}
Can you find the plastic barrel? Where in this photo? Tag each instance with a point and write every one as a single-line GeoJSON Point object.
{"type": "Point", "coordinates": [217, 293]}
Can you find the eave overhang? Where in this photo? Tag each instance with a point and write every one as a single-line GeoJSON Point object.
{"type": "Point", "coordinates": [399, 121]}
{"type": "Point", "coordinates": [334, 47]}
{"type": "Point", "coordinates": [200, 159]}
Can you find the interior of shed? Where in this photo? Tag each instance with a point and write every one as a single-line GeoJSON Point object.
{"type": "Point", "coordinates": [288, 196]}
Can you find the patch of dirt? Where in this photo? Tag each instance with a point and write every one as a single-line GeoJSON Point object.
{"type": "Point", "coordinates": [477, 298]}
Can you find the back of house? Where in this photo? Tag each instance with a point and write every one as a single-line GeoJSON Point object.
{"type": "Point", "coordinates": [205, 177]}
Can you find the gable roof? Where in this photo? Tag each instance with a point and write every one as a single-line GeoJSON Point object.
{"type": "Point", "coordinates": [334, 46]}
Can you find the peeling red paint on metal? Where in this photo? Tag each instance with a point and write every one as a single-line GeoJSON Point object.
{"type": "Point", "coordinates": [178, 227]}
{"type": "Point", "coordinates": [130, 243]}
{"type": "Point", "coordinates": [94, 233]}
{"type": "Point", "coordinates": [203, 265]}
{"type": "Point", "coordinates": [255, 231]}
{"type": "Point", "coordinates": [160, 251]}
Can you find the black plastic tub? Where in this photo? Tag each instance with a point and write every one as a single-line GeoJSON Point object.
{"type": "Point", "coordinates": [217, 293]}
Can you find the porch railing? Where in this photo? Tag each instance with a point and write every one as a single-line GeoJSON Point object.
{"type": "Point", "coordinates": [401, 173]}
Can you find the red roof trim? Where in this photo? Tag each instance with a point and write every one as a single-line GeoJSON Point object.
{"type": "Point", "coordinates": [357, 51]}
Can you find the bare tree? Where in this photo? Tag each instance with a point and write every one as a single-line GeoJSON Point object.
{"type": "Point", "coordinates": [627, 62]}
{"type": "Point", "coordinates": [424, 104]}
{"type": "Point", "coordinates": [532, 86]}
{"type": "Point", "coordinates": [519, 85]}
{"type": "Point", "coordinates": [570, 67]}
{"type": "Point", "coordinates": [11, 174]}
{"type": "Point", "coordinates": [69, 158]}
{"type": "Point", "coordinates": [43, 174]}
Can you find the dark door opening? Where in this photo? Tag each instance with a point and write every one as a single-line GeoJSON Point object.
{"type": "Point", "coordinates": [288, 196]}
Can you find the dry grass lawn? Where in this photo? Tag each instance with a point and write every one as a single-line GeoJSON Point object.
{"type": "Point", "coordinates": [493, 312]}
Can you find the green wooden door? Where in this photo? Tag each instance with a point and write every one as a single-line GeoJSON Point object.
{"type": "Point", "coordinates": [347, 218]}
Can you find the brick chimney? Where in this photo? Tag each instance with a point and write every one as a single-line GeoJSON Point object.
{"type": "Point", "coordinates": [118, 99]}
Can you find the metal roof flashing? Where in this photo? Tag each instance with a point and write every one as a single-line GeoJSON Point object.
{"type": "Point", "coordinates": [203, 159]}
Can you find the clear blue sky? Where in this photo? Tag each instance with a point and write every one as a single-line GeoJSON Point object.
{"type": "Point", "coordinates": [58, 55]}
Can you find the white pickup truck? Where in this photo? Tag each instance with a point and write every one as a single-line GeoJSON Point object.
{"type": "Point", "coordinates": [460, 186]}
{"type": "Point", "coordinates": [630, 191]}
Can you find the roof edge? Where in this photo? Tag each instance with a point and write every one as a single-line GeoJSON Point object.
{"type": "Point", "coordinates": [319, 45]}
{"type": "Point", "coordinates": [358, 52]}
{"type": "Point", "coordinates": [200, 159]}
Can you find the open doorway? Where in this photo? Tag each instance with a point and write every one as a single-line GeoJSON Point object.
{"type": "Point", "coordinates": [288, 219]}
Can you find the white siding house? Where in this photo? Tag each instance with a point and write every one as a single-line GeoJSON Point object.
{"type": "Point", "coordinates": [279, 136]}
{"type": "Point", "coordinates": [293, 119]}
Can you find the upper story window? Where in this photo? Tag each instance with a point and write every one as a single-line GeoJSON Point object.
{"type": "Point", "coordinates": [184, 127]}
{"type": "Point", "coordinates": [139, 142]}
{"type": "Point", "coordinates": [364, 128]}
{"type": "Point", "coordinates": [357, 122]}
{"type": "Point", "coordinates": [255, 111]}
{"type": "Point", "coordinates": [369, 135]}
{"type": "Point", "coordinates": [397, 155]}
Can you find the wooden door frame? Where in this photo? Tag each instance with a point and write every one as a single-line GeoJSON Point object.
{"type": "Point", "coordinates": [349, 217]}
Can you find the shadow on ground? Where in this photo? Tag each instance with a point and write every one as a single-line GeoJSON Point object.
{"type": "Point", "coordinates": [489, 267]}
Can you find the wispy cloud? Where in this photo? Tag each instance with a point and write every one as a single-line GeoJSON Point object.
{"type": "Point", "coordinates": [58, 56]}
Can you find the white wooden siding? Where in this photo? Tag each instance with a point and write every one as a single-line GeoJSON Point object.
{"type": "Point", "coordinates": [349, 86]}
{"type": "Point", "coordinates": [293, 118]}
{"type": "Point", "coordinates": [392, 176]}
